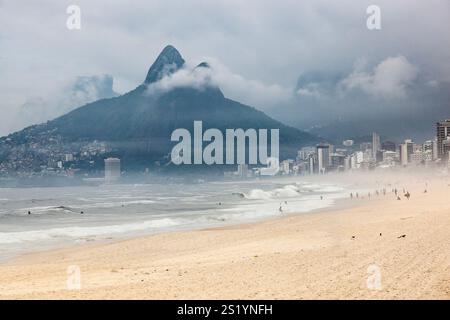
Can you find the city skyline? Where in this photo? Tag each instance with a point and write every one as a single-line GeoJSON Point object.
{"type": "Point", "coordinates": [318, 159]}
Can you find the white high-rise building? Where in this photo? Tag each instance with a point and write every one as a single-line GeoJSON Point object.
{"type": "Point", "coordinates": [406, 151]}
{"type": "Point", "coordinates": [356, 159]}
{"type": "Point", "coordinates": [305, 152]}
{"type": "Point", "coordinates": [390, 158]}
{"type": "Point", "coordinates": [311, 164]}
{"type": "Point", "coordinates": [404, 154]}
{"type": "Point", "coordinates": [376, 144]}
{"type": "Point", "coordinates": [242, 170]}
{"type": "Point", "coordinates": [287, 166]}
{"type": "Point", "coordinates": [448, 163]}
{"type": "Point", "coordinates": [435, 149]}
{"type": "Point", "coordinates": [347, 163]}
{"type": "Point", "coordinates": [323, 157]}
{"type": "Point", "coordinates": [443, 133]}
{"type": "Point", "coordinates": [112, 170]}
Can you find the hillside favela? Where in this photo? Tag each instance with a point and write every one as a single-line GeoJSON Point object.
{"type": "Point", "coordinates": [247, 151]}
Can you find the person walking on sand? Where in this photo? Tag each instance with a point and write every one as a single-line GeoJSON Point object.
{"type": "Point", "coordinates": [351, 195]}
{"type": "Point", "coordinates": [407, 195]}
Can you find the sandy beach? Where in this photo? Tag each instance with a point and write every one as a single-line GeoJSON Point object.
{"type": "Point", "coordinates": [377, 248]}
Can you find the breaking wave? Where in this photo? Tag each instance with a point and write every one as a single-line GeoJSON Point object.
{"type": "Point", "coordinates": [80, 232]}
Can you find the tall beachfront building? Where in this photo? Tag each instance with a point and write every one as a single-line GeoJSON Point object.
{"type": "Point", "coordinates": [376, 145]}
{"type": "Point", "coordinates": [406, 150]}
{"type": "Point", "coordinates": [323, 157]}
{"type": "Point", "coordinates": [112, 170]}
{"type": "Point", "coordinates": [442, 134]}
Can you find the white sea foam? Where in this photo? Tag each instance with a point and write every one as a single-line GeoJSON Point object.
{"type": "Point", "coordinates": [113, 204]}
{"type": "Point", "coordinates": [257, 194]}
{"type": "Point", "coordinates": [278, 193]}
{"type": "Point", "coordinates": [43, 210]}
{"type": "Point", "coordinates": [286, 192]}
{"type": "Point", "coordinates": [323, 187]}
{"type": "Point", "coordinates": [74, 207]}
{"type": "Point", "coordinates": [79, 232]}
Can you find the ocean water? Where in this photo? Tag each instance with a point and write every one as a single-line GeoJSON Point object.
{"type": "Point", "coordinates": [70, 215]}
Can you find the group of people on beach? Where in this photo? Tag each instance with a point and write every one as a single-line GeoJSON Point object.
{"type": "Point", "coordinates": [406, 194]}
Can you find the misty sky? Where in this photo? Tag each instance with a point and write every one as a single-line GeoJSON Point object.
{"type": "Point", "coordinates": [291, 59]}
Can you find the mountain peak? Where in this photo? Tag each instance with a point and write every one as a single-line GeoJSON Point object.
{"type": "Point", "coordinates": [203, 65]}
{"type": "Point", "coordinates": [168, 61]}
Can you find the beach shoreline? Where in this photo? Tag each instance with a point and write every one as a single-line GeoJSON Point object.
{"type": "Point", "coordinates": [330, 253]}
{"type": "Point", "coordinates": [338, 204]}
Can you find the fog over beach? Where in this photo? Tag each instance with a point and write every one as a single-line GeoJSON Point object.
{"type": "Point", "coordinates": [331, 252]}
{"type": "Point", "coordinates": [36, 218]}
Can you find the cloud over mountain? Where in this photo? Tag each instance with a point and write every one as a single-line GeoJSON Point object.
{"type": "Point", "coordinates": [394, 96]}
{"type": "Point", "coordinates": [389, 79]}
{"type": "Point", "coordinates": [64, 98]}
{"type": "Point", "coordinates": [214, 73]}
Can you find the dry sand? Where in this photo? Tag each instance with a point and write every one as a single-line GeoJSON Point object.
{"type": "Point", "coordinates": [309, 256]}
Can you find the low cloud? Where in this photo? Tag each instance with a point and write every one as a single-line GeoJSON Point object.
{"type": "Point", "coordinates": [234, 86]}
{"type": "Point", "coordinates": [391, 78]}
{"type": "Point", "coordinates": [391, 95]}
{"type": "Point", "coordinates": [198, 78]}
{"type": "Point", "coordinates": [63, 99]}
{"type": "Point", "coordinates": [310, 90]}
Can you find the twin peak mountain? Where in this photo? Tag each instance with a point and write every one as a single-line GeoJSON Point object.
{"type": "Point", "coordinates": [138, 124]}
